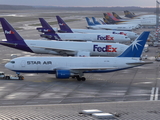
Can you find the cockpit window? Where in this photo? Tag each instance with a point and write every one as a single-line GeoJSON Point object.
{"type": "Point", "coordinates": [12, 62]}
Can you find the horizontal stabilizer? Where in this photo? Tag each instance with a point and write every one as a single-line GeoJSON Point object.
{"type": "Point", "coordinates": [140, 63]}
{"type": "Point", "coordinates": [6, 43]}
{"type": "Point", "coordinates": [45, 30]}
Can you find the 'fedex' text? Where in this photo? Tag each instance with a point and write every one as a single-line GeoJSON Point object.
{"type": "Point", "coordinates": [107, 48]}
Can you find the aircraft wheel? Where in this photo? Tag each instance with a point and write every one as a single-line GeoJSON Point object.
{"type": "Point", "coordinates": [78, 78]}
{"type": "Point", "coordinates": [21, 77]}
{"type": "Point", "coordinates": [7, 77]}
{"type": "Point", "coordinates": [73, 77]}
{"type": "Point", "coordinates": [83, 78]}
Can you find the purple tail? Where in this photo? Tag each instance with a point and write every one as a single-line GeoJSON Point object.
{"type": "Point", "coordinates": [9, 31]}
{"type": "Point", "coordinates": [63, 26]}
{"type": "Point", "coordinates": [48, 31]}
{"type": "Point", "coordinates": [46, 28]}
{"type": "Point", "coordinates": [14, 40]}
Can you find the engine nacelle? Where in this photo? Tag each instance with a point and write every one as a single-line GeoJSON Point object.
{"type": "Point", "coordinates": [44, 30]}
{"type": "Point", "coordinates": [63, 74]}
{"type": "Point", "coordinates": [46, 36]}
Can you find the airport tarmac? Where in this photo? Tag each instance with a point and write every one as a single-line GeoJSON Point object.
{"type": "Point", "coordinates": [139, 110]}
{"type": "Point", "coordinates": [135, 84]}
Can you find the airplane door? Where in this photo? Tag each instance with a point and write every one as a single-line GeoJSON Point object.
{"type": "Point", "coordinates": [23, 63]}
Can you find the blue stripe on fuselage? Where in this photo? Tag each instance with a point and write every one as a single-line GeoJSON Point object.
{"type": "Point", "coordinates": [54, 72]}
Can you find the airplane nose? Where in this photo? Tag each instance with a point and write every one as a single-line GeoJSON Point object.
{"type": "Point", "coordinates": [7, 65]}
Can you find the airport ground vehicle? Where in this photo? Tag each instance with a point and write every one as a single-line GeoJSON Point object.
{"type": "Point", "coordinates": [10, 77]}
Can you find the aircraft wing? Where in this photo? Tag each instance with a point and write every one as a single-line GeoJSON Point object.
{"type": "Point", "coordinates": [139, 63]}
{"type": "Point", "coordinates": [74, 39]}
{"type": "Point", "coordinates": [84, 68]}
{"type": "Point", "coordinates": [55, 49]}
{"type": "Point", "coordinates": [63, 50]}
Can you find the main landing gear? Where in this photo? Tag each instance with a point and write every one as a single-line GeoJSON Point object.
{"type": "Point", "coordinates": [79, 78]}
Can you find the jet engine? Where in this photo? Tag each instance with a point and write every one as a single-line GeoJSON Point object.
{"type": "Point", "coordinates": [63, 74]}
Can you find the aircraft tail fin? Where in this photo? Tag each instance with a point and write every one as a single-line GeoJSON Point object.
{"type": "Point", "coordinates": [63, 26]}
{"type": "Point", "coordinates": [136, 48]}
{"type": "Point", "coordinates": [95, 21]}
{"type": "Point", "coordinates": [116, 15]}
{"type": "Point", "coordinates": [125, 13]}
{"type": "Point", "coordinates": [46, 28]}
{"type": "Point", "coordinates": [9, 31]}
{"type": "Point", "coordinates": [112, 17]}
{"type": "Point", "coordinates": [106, 16]}
{"type": "Point", "coordinates": [128, 14]}
{"type": "Point", "coordinates": [89, 22]}
{"type": "Point", "coordinates": [104, 23]}
{"type": "Point", "coordinates": [108, 19]}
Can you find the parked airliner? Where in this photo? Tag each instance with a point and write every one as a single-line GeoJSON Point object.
{"type": "Point", "coordinates": [141, 21]}
{"type": "Point", "coordinates": [91, 25]}
{"type": "Point", "coordinates": [49, 33]}
{"type": "Point", "coordinates": [133, 16]}
{"type": "Point", "coordinates": [133, 25]}
{"type": "Point", "coordinates": [67, 48]}
{"type": "Point", "coordinates": [64, 28]}
{"type": "Point", "coordinates": [75, 67]}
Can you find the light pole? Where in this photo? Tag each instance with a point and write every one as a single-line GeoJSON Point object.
{"type": "Point", "coordinates": [157, 20]}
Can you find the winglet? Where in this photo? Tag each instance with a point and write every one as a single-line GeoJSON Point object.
{"type": "Point", "coordinates": [136, 48]}
{"type": "Point", "coordinates": [9, 31]}
{"type": "Point", "coordinates": [63, 26]}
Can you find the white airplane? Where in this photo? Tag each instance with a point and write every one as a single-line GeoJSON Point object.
{"type": "Point", "coordinates": [75, 67]}
{"type": "Point", "coordinates": [69, 48]}
{"type": "Point", "coordinates": [146, 20]}
{"type": "Point", "coordinates": [133, 16]}
{"type": "Point", "coordinates": [140, 21]}
{"type": "Point", "coordinates": [114, 21]}
{"type": "Point", "coordinates": [66, 29]}
{"type": "Point", "coordinates": [49, 33]}
{"type": "Point", "coordinates": [91, 25]}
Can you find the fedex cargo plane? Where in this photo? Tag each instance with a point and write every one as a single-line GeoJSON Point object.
{"type": "Point", "coordinates": [49, 33]}
{"type": "Point", "coordinates": [65, 48]}
{"type": "Point", "coordinates": [64, 28]}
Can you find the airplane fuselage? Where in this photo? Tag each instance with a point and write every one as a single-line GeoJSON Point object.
{"type": "Point", "coordinates": [95, 37]}
{"type": "Point", "coordinates": [51, 64]}
{"type": "Point", "coordinates": [111, 27]}
{"type": "Point", "coordinates": [70, 48]}
{"type": "Point", "coordinates": [130, 34]}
